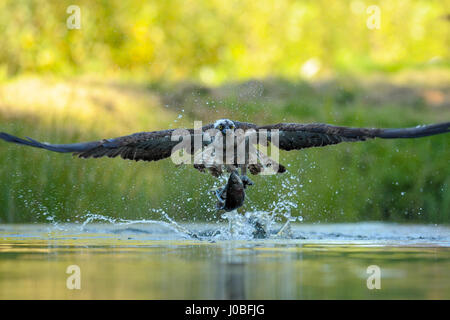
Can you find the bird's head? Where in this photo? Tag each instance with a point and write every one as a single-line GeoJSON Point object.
{"type": "Point", "coordinates": [223, 125]}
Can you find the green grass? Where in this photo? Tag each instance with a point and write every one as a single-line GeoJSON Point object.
{"type": "Point", "coordinates": [393, 180]}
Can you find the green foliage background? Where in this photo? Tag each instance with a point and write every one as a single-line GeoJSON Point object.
{"type": "Point", "coordinates": [148, 65]}
{"type": "Point", "coordinates": [220, 41]}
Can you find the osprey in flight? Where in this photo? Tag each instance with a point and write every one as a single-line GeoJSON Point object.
{"type": "Point", "coordinates": [202, 146]}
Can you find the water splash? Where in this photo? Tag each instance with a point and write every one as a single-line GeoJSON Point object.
{"type": "Point", "coordinates": [249, 226]}
{"type": "Point", "coordinates": [253, 224]}
{"type": "Point", "coordinates": [171, 224]}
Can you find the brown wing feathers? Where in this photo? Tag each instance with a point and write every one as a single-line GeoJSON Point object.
{"type": "Point", "coordinates": [294, 136]}
{"type": "Point", "coordinates": [147, 146]}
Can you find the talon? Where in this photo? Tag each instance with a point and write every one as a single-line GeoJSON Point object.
{"type": "Point", "coordinates": [220, 205]}
{"type": "Point", "coordinates": [246, 181]}
{"type": "Point", "coordinates": [219, 195]}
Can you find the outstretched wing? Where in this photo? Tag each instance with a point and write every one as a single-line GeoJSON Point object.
{"type": "Point", "coordinates": [146, 146]}
{"type": "Point", "coordinates": [294, 136]}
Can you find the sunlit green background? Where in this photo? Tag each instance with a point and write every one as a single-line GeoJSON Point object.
{"type": "Point", "coordinates": [218, 41]}
{"type": "Point", "coordinates": [148, 65]}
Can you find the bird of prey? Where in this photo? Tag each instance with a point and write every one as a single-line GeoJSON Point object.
{"type": "Point", "coordinates": [157, 145]}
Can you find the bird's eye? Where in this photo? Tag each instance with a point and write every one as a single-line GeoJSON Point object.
{"type": "Point", "coordinates": [220, 127]}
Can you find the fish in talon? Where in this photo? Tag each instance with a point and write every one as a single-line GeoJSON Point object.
{"type": "Point", "coordinates": [232, 195]}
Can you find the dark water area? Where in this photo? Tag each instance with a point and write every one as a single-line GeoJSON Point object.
{"type": "Point", "coordinates": [153, 260]}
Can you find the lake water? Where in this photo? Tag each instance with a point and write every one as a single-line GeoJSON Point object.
{"type": "Point", "coordinates": [151, 260]}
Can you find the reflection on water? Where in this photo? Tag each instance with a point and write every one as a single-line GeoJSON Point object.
{"type": "Point", "coordinates": [152, 261]}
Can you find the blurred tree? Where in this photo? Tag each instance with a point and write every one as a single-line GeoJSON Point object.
{"type": "Point", "coordinates": [214, 41]}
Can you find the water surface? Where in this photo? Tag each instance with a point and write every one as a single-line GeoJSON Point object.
{"type": "Point", "coordinates": [143, 260]}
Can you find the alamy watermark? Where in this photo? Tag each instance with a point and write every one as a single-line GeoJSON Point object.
{"type": "Point", "coordinates": [374, 280]}
{"type": "Point", "coordinates": [234, 147]}
{"type": "Point", "coordinates": [374, 20]}
{"type": "Point", "coordinates": [74, 20]}
{"type": "Point", "coordinates": [74, 280]}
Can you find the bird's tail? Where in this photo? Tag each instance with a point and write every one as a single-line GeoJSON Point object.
{"type": "Point", "coordinates": [416, 132]}
{"type": "Point", "coordinates": [64, 148]}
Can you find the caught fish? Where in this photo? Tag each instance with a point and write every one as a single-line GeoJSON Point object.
{"type": "Point", "coordinates": [232, 195]}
